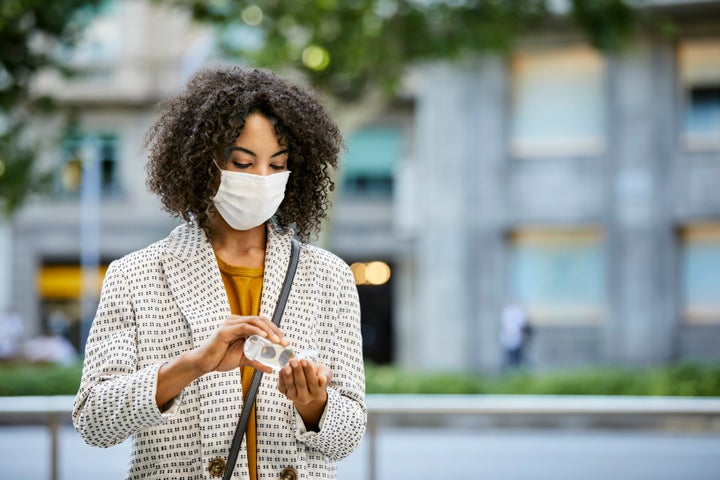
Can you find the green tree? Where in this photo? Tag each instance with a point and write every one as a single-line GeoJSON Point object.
{"type": "Point", "coordinates": [357, 51]}
{"type": "Point", "coordinates": [32, 33]}
{"type": "Point", "coordinates": [348, 48]}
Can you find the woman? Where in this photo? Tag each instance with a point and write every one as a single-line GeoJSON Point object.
{"type": "Point", "coordinates": [164, 360]}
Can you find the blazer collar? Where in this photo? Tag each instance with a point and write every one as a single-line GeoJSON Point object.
{"type": "Point", "coordinates": [196, 284]}
{"type": "Point", "coordinates": [188, 241]}
{"type": "Point", "coordinates": [277, 259]}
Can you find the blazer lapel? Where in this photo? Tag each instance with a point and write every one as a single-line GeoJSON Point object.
{"type": "Point", "coordinates": [195, 282]}
{"type": "Point", "coordinates": [277, 259]}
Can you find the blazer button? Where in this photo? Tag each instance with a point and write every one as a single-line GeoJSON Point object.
{"type": "Point", "coordinates": [288, 473]}
{"type": "Point", "coordinates": [216, 466]}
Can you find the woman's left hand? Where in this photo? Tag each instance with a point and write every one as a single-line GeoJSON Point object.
{"type": "Point", "coordinates": [305, 384]}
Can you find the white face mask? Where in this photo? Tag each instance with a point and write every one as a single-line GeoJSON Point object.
{"type": "Point", "coordinates": [246, 201]}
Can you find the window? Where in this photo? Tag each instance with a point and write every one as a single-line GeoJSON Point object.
{"type": "Point", "coordinates": [100, 45]}
{"type": "Point", "coordinates": [699, 63]}
{"type": "Point", "coordinates": [558, 103]}
{"type": "Point", "coordinates": [75, 151]}
{"type": "Point", "coordinates": [700, 274]}
{"type": "Point", "coordinates": [60, 288]}
{"type": "Point", "coordinates": [558, 276]}
{"type": "Point", "coordinates": [369, 165]}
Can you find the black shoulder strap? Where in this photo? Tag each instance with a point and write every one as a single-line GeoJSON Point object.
{"type": "Point", "coordinates": [257, 376]}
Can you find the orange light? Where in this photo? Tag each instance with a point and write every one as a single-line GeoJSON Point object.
{"type": "Point", "coordinates": [372, 273]}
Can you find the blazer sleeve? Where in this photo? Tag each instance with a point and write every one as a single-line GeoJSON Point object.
{"type": "Point", "coordinates": [343, 422]}
{"type": "Point", "coordinates": [115, 399]}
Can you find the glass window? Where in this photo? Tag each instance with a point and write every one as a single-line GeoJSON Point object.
{"type": "Point", "coordinates": [559, 277]}
{"type": "Point", "coordinates": [100, 44]}
{"type": "Point", "coordinates": [700, 274]}
{"type": "Point", "coordinates": [60, 288]}
{"type": "Point", "coordinates": [73, 150]}
{"type": "Point", "coordinates": [558, 103]}
{"type": "Point", "coordinates": [369, 165]}
{"type": "Point", "coordinates": [699, 63]}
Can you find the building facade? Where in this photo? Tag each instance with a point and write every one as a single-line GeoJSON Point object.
{"type": "Point", "coordinates": [577, 184]}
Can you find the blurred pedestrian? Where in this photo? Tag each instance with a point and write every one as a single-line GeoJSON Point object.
{"type": "Point", "coordinates": [49, 348]}
{"type": "Point", "coordinates": [514, 335]}
{"type": "Point", "coordinates": [53, 347]}
{"type": "Point", "coordinates": [11, 335]}
{"type": "Point", "coordinates": [244, 157]}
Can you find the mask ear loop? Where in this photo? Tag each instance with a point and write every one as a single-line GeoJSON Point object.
{"type": "Point", "coordinates": [216, 165]}
{"type": "Point", "coordinates": [211, 210]}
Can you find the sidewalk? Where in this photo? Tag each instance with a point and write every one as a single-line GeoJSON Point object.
{"type": "Point", "coordinates": [427, 453]}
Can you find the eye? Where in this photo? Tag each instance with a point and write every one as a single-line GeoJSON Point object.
{"type": "Point", "coordinates": [241, 165]}
{"type": "Point", "coordinates": [278, 167]}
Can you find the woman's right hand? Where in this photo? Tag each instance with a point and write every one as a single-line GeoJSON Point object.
{"type": "Point", "coordinates": [223, 351]}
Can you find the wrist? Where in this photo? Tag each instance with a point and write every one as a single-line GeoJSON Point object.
{"type": "Point", "coordinates": [191, 363]}
{"type": "Point", "coordinates": [311, 413]}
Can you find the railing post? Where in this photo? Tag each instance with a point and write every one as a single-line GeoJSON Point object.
{"type": "Point", "coordinates": [54, 427]}
{"type": "Point", "coordinates": [372, 442]}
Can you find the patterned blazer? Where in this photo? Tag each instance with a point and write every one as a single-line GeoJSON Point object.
{"type": "Point", "coordinates": [168, 298]}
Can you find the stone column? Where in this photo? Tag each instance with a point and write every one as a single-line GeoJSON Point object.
{"type": "Point", "coordinates": [640, 246]}
{"type": "Point", "coordinates": [459, 144]}
{"type": "Point", "coordinates": [6, 262]}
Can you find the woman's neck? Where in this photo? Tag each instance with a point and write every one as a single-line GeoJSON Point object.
{"type": "Point", "coordinates": [244, 248]}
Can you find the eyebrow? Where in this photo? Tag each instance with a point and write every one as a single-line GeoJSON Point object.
{"type": "Point", "coordinates": [250, 152]}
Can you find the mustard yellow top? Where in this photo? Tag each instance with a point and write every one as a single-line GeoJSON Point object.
{"type": "Point", "coordinates": [244, 290]}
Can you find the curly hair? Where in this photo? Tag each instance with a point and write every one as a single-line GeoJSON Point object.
{"type": "Point", "coordinates": [199, 126]}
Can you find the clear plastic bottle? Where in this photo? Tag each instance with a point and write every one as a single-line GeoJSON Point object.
{"type": "Point", "coordinates": [264, 351]}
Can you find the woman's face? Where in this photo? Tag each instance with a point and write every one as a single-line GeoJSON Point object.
{"type": "Point", "coordinates": [257, 150]}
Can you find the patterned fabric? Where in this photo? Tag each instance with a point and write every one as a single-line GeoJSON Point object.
{"type": "Point", "coordinates": [168, 298]}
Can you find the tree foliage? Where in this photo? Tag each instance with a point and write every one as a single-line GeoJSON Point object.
{"type": "Point", "coordinates": [31, 33]}
{"type": "Point", "coordinates": [346, 47]}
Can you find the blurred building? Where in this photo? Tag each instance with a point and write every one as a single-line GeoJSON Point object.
{"type": "Point", "coordinates": [131, 57]}
{"type": "Point", "coordinates": [579, 185]}
{"type": "Point", "coordinates": [582, 186]}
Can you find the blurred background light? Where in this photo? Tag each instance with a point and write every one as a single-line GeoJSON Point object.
{"type": "Point", "coordinates": [315, 57]}
{"type": "Point", "coordinates": [372, 273]}
{"type": "Point", "coordinates": [252, 15]}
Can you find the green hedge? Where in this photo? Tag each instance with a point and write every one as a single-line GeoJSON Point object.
{"type": "Point", "coordinates": [677, 380]}
{"type": "Point", "coordinates": [39, 379]}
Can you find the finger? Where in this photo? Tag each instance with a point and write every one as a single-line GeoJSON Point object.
{"type": "Point", "coordinates": [310, 377]}
{"type": "Point", "coordinates": [260, 366]}
{"type": "Point", "coordinates": [282, 386]}
{"type": "Point", "coordinates": [240, 331]}
{"type": "Point", "coordinates": [243, 329]}
{"type": "Point", "coordinates": [263, 325]}
{"type": "Point", "coordinates": [275, 330]}
{"type": "Point", "coordinates": [288, 379]}
{"type": "Point", "coordinates": [300, 382]}
{"type": "Point", "coordinates": [324, 375]}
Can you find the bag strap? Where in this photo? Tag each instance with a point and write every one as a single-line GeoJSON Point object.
{"type": "Point", "coordinates": [257, 376]}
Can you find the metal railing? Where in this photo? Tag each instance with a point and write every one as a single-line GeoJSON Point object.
{"type": "Point", "coordinates": [50, 411]}
{"type": "Point", "coordinates": [54, 410]}
{"type": "Point", "coordinates": [528, 405]}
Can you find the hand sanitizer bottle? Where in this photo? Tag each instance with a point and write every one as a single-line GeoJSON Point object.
{"type": "Point", "coordinates": [264, 351]}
